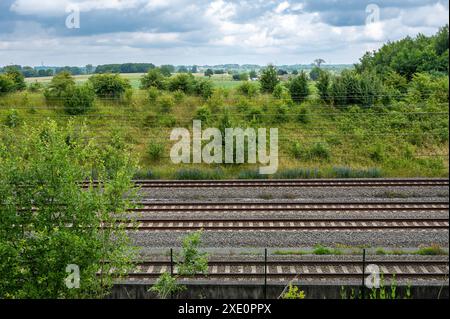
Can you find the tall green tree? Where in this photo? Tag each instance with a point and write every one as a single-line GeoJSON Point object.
{"type": "Point", "coordinates": [298, 87]}
{"type": "Point", "coordinates": [269, 79]}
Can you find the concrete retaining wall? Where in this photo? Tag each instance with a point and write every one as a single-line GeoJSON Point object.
{"type": "Point", "coordinates": [256, 291]}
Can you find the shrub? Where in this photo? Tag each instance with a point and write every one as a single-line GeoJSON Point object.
{"type": "Point", "coordinates": [203, 114]}
{"type": "Point", "coordinates": [293, 293]}
{"type": "Point", "coordinates": [79, 99]}
{"type": "Point", "coordinates": [320, 150]}
{"type": "Point", "coordinates": [153, 94]}
{"type": "Point", "coordinates": [248, 89]}
{"type": "Point", "coordinates": [109, 85]}
{"type": "Point", "coordinates": [34, 87]}
{"type": "Point", "coordinates": [155, 151]}
{"type": "Point", "coordinates": [166, 285]}
{"type": "Point", "coordinates": [12, 119]}
{"type": "Point", "coordinates": [166, 103]}
{"type": "Point", "coordinates": [154, 78]}
{"type": "Point", "coordinates": [184, 82]}
{"type": "Point", "coordinates": [58, 86]}
{"type": "Point", "coordinates": [16, 77]}
{"type": "Point", "coordinates": [304, 115]}
{"type": "Point", "coordinates": [298, 87]}
{"type": "Point", "coordinates": [279, 90]}
{"type": "Point", "coordinates": [6, 84]}
{"type": "Point", "coordinates": [203, 88]}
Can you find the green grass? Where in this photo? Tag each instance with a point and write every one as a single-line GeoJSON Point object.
{"type": "Point", "coordinates": [339, 142]}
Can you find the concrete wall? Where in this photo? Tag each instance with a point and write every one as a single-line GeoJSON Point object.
{"type": "Point", "coordinates": [256, 291]}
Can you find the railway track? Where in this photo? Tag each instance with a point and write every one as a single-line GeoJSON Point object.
{"type": "Point", "coordinates": [289, 183]}
{"type": "Point", "coordinates": [285, 270]}
{"type": "Point", "coordinates": [289, 206]}
{"type": "Point", "coordinates": [143, 219]}
{"type": "Point", "coordinates": [284, 224]}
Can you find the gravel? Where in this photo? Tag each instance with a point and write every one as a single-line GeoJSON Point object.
{"type": "Point", "coordinates": [249, 194]}
{"type": "Point", "coordinates": [263, 239]}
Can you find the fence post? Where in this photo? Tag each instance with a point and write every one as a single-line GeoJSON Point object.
{"type": "Point", "coordinates": [363, 284]}
{"type": "Point", "coordinates": [171, 261]}
{"type": "Point", "coordinates": [171, 269]}
{"type": "Point", "coordinates": [265, 273]}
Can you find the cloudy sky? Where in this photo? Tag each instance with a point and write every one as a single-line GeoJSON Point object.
{"type": "Point", "coordinates": [33, 32]}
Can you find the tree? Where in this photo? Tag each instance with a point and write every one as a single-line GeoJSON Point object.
{"type": "Point", "coordinates": [323, 85]}
{"type": "Point", "coordinates": [253, 74]}
{"type": "Point", "coordinates": [109, 85]}
{"type": "Point", "coordinates": [17, 77]}
{"type": "Point", "coordinates": [153, 78]}
{"type": "Point", "coordinates": [89, 69]}
{"type": "Point", "coordinates": [319, 62]}
{"type": "Point", "coordinates": [314, 74]}
{"type": "Point", "coordinates": [194, 69]}
{"type": "Point", "coordinates": [243, 76]}
{"type": "Point", "coordinates": [167, 69]}
{"type": "Point", "coordinates": [50, 226]}
{"type": "Point", "coordinates": [298, 87]}
{"type": "Point", "coordinates": [269, 79]}
{"type": "Point", "coordinates": [209, 72]}
{"type": "Point", "coordinates": [282, 72]}
{"type": "Point", "coordinates": [183, 69]}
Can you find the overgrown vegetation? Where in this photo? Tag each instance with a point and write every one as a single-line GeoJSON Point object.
{"type": "Point", "coordinates": [379, 119]}
{"type": "Point", "coordinates": [48, 222]}
{"type": "Point", "coordinates": [189, 263]}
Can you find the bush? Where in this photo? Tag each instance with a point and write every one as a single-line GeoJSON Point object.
{"type": "Point", "coordinates": [12, 119]}
{"type": "Point", "coordinates": [203, 114]}
{"type": "Point", "coordinates": [184, 82]}
{"type": "Point", "coordinates": [248, 89]}
{"type": "Point", "coordinates": [58, 86]}
{"type": "Point", "coordinates": [155, 151]}
{"type": "Point", "coordinates": [298, 87]}
{"type": "Point", "coordinates": [79, 99]}
{"type": "Point", "coordinates": [16, 77]}
{"type": "Point", "coordinates": [279, 91]}
{"type": "Point", "coordinates": [154, 78]}
{"type": "Point", "coordinates": [304, 115]}
{"type": "Point", "coordinates": [52, 161]}
{"type": "Point", "coordinates": [203, 88]}
{"type": "Point", "coordinates": [166, 103]}
{"type": "Point", "coordinates": [317, 151]}
{"type": "Point", "coordinates": [6, 84]}
{"type": "Point", "coordinates": [34, 87]}
{"type": "Point", "coordinates": [153, 94]}
{"type": "Point", "coordinates": [109, 85]}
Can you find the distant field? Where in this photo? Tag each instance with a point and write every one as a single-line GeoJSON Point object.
{"type": "Point", "coordinates": [219, 80]}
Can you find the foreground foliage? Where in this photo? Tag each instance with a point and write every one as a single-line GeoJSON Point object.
{"type": "Point", "coordinates": [48, 222]}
